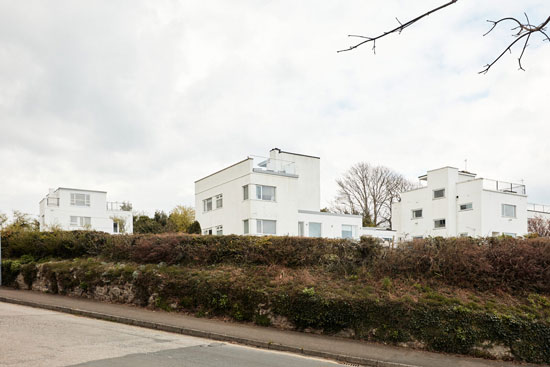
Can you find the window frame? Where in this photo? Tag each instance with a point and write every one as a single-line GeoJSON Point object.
{"type": "Point", "coordinates": [205, 203]}
{"type": "Point", "coordinates": [82, 201]}
{"type": "Point", "coordinates": [219, 230]}
{"type": "Point", "coordinates": [246, 192]}
{"type": "Point", "coordinates": [219, 200]}
{"type": "Point", "coordinates": [260, 228]}
{"type": "Point", "coordinates": [260, 191]}
{"type": "Point", "coordinates": [439, 197]}
{"type": "Point", "coordinates": [503, 212]}
{"type": "Point", "coordinates": [320, 229]}
{"type": "Point", "coordinates": [246, 226]}
{"type": "Point", "coordinates": [350, 231]}
{"type": "Point", "coordinates": [466, 209]}
{"type": "Point", "coordinates": [416, 210]}
{"type": "Point", "coordinates": [439, 220]}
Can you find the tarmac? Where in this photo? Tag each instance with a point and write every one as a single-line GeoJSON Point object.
{"type": "Point", "coordinates": [339, 349]}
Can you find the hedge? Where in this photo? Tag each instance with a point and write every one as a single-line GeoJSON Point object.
{"type": "Point", "coordinates": [510, 264]}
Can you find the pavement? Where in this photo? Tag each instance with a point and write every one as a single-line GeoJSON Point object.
{"type": "Point", "coordinates": [333, 348]}
{"type": "Point", "coordinates": [43, 338]}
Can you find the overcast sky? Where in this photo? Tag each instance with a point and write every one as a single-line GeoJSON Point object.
{"type": "Point", "coordinates": [141, 98]}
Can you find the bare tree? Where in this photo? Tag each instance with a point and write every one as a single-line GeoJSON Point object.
{"type": "Point", "coordinates": [522, 31]}
{"type": "Point", "coordinates": [539, 226]}
{"type": "Point", "coordinates": [369, 191]}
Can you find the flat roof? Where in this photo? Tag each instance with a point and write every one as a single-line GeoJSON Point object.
{"type": "Point", "coordinates": [330, 214]}
{"type": "Point", "coordinates": [223, 169]}
{"type": "Point", "coordinates": [302, 155]}
{"type": "Point", "coordinates": [73, 189]}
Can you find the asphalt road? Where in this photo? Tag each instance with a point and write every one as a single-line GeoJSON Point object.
{"type": "Point", "coordinates": [35, 337]}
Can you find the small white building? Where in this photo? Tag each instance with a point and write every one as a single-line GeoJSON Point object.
{"type": "Point", "coordinates": [453, 203]}
{"type": "Point", "coordinates": [276, 195]}
{"type": "Point", "coordinates": [76, 209]}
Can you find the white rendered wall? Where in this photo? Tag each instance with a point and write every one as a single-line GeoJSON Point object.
{"type": "Point", "coordinates": [100, 218]}
{"type": "Point", "coordinates": [331, 224]}
{"type": "Point", "coordinates": [492, 219]}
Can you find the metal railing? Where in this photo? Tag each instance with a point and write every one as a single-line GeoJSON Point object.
{"type": "Point", "coordinates": [538, 208]}
{"type": "Point", "coordinates": [119, 206]}
{"type": "Point", "coordinates": [504, 186]}
{"type": "Point", "coordinates": [52, 201]}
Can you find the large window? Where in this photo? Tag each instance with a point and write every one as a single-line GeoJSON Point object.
{"type": "Point", "coordinates": [314, 229]}
{"type": "Point", "coordinates": [467, 206]}
{"type": "Point", "coordinates": [347, 231]}
{"type": "Point", "coordinates": [265, 193]}
{"type": "Point", "coordinates": [246, 228]}
{"type": "Point", "coordinates": [438, 194]}
{"type": "Point", "coordinates": [219, 230]}
{"type": "Point", "coordinates": [417, 213]}
{"type": "Point", "coordinates": [508, 211]}
{"type": "Point", "coordinates": [81, 221]}
{"type": "Point", "coordinates": [207, 203]}
{"type": "Point", "coordinates": [245, 192]}
{"type": "Point", "coordinates": [439, 223]}
{"type": "Point", "coordinates": [265, 226]}
{"type": "Point", "coordinates": [219, 201]}
{"type": "Point", "coordinates": [80, 199]}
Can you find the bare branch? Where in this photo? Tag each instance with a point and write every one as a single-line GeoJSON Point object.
{"type": "Point", "coordinates": [399, 29]}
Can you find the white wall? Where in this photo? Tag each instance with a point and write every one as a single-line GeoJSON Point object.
{"type": "Point", "coordinates": [52, 216]}
{"type": "Point", "coordinates": [492, 219]}
{"type": "Point", "coordinates": [331, 224]}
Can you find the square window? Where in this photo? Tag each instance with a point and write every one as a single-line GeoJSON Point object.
{"type": "Point", "coordinates": [438, 194]}
{"type": "Point", "coordinates": [347, 231]}
{"type": "Point", "coordinates": [314, 229]}
{"type": "Point", "coordinates": [439, 223]}
{"type": "Point", "coordinates": [207, 203]}
{"type": "Point", "coordinates": [508, 211]}
{"type": "Point", "coordinates": [417, 213]}
{"type": "Point", "coordinates": [265, 193]}
{"type": "Point", "coordinates": [219, 230]}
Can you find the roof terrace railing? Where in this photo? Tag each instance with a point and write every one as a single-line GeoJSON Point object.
{"type": "Point", "coordinates": [271, 165]}
{"type": "Point", "coordinates": [538, 208]}
{"type": "Point", "coordinates": [119, 206]}
{"type": "Point", "coordinates": [503, 186]}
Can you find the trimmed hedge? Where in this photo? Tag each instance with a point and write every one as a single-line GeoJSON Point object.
{"type": "Point", "coordinates": [515, 265]}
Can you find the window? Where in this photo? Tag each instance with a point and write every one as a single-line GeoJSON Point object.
{"type": "Point", "coordinates": [265, 226]}
{"type": "Point", "coordinates": [265, 193]}
{"type": "Point", "coordinates": [417, 213]}
{"type": "Point", "coordinates": [468, 206]}
{"type": "Point", "coordinates": [207, 231]}
{"type": "Point", "coordinates": [245, 192]}
{"type": "Point", "coordinates": [219, 201]}
{"type": "Point", "coordinates": [465, 234]}
{"type": "Point", "coordinates": [314, 229]}
{"type": "Point", "coordinates": [347, 231]}
{"type": "Point", "coordinates": [495, 234]}
{"type": "Point", "coordinates": [508, 211]}
{"type": "Point", "coordinates": [439, 223]}
{"type": "Point", "coordinates": [438, 194]}
{"type": "Point", "coordinates": [74, 221]}
{"type": "Point", "coordinates": [417, 237]}
{"type": "Point", "coordinates": [80, 199]}
{"type": "Point", "coordinates": [81, 221]}
{"type": "Point", "coordinates": [207, 204]}
{"type": "Point", "coordinates": [301, 229]}
{"type": "Point", "coordinates": [219, 230]}
{"type": "Point", "coordinates": [245, 224]}
{"type": "Point", "coordinates": [509, 234]}
{"type": "Point", "coordinates": [115, 227]}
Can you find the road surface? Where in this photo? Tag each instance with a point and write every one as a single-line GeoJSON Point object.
{"type": "Point", "coordinates": [36, 337]}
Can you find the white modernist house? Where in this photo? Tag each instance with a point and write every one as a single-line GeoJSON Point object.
{"type": "Point", "coordinates": [453, 203]}
{"type": "Point", "coordinates": [74, 209]}
{"type": "Point", "coordinates": [275, 195]}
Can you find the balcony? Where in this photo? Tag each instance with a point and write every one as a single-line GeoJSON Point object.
{"type": "Point", "coordinates": [52, 201]}
{"type": "Point", "coordinates": [538, 208]}
{"type": "Point", "coordinates": [117, 206]}
{"type": "Point", "coordinates": [274, 166]}
{"type": "Point", "coordinates": [503, 186]}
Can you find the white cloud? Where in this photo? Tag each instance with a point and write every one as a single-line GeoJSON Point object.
{"type": "Point", "coordinates": [141, 98]}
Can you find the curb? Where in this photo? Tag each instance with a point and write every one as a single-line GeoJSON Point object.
{"type": "Point", "coordinates": [208, 335]}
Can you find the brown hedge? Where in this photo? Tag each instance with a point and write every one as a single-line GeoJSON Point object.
{"type": "Point", "coordinates": [519, 265]}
